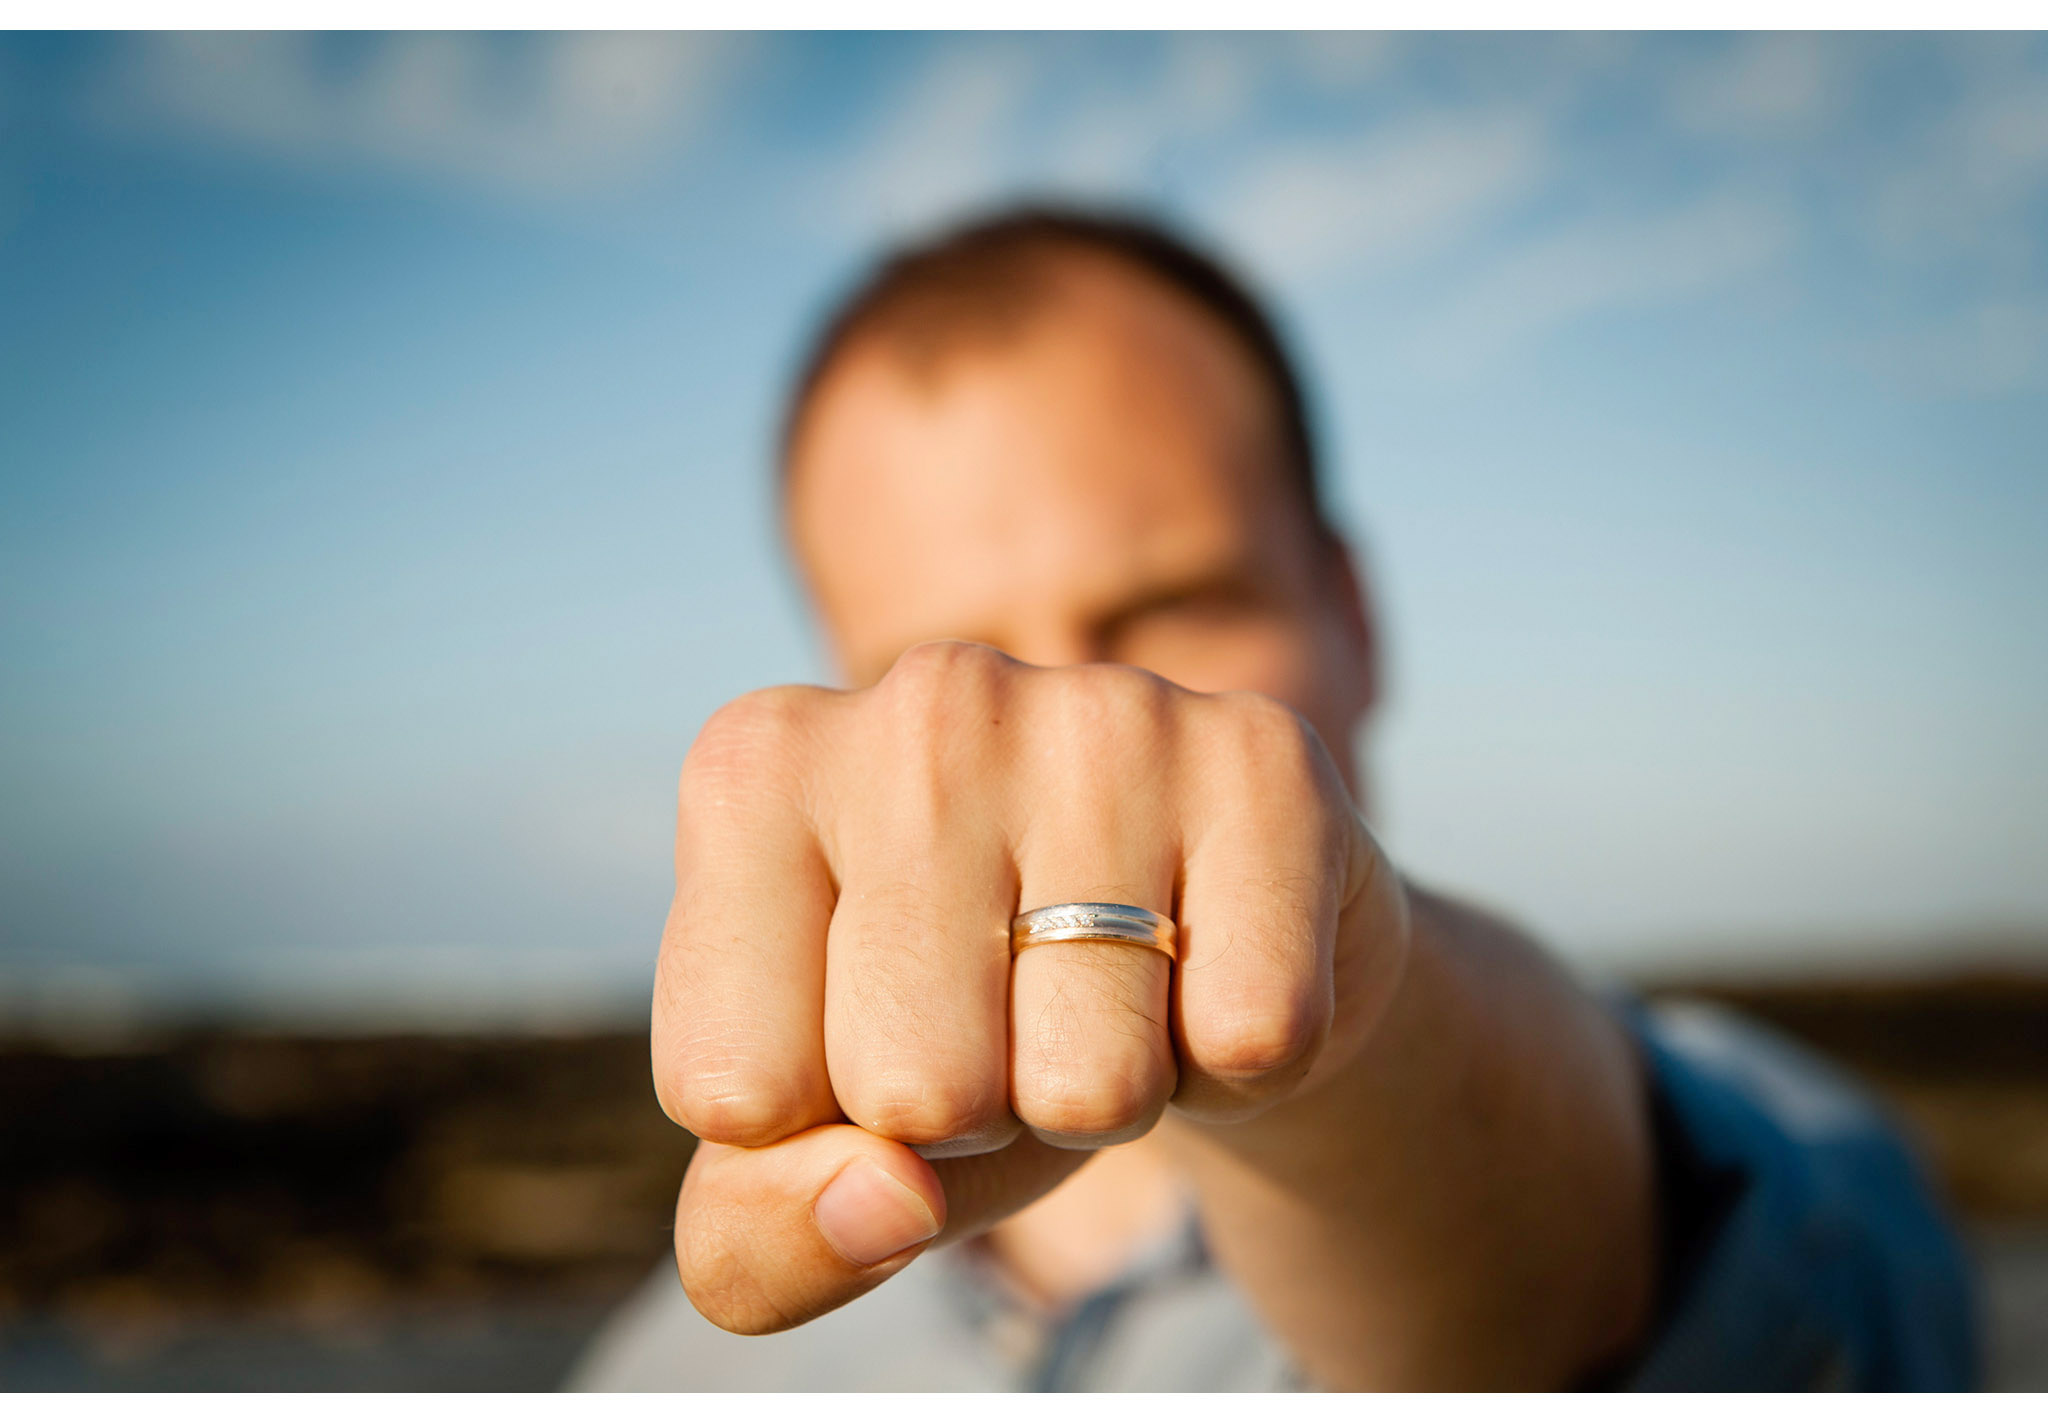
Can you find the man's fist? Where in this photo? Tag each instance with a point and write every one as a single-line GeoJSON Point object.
{"type": "Point", "coordinates": [837, 997]}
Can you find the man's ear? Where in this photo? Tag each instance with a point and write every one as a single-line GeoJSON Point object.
{"type": "Point", "coordinates": [1348, 597]}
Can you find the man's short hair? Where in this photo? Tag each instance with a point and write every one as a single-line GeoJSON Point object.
{"type": "Point", "coordinates": [986, 279]}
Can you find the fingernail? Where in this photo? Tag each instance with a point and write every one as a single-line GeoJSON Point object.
{"type": "Point", "coordinates": [867, 1215]}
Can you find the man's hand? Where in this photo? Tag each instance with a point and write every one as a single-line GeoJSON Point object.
{"type": "Point", "coordinates": [838, 1015]}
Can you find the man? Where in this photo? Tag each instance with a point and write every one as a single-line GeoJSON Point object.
{"type": "Point", "coordinates": [1305, 1123]}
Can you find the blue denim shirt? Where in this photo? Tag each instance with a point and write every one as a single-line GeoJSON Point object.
{"type": "Point", "coordinates": [1807, 1249]}
{"type": "Point", "coordinates": [1803, 1249]}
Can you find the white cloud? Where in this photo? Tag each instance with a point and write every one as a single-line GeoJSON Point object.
{"type": "Point", "coordinates": [987, 117]}
{"type": "Point", "coordinates": [1306, 210]}
{"type": "Point", "coordinates": [1764, 85]}
{"type": "Point", "coordinates": [1963, 200]}
{"type": "Point", "coordinates": [1997, 346]}
{"type": "Point", "coordinates": [944, 144]}
{"type": "Point", "coordinates": [1604, 265]}
{"type": "Point", "coordinates": [2007, 138]}
{"type": "Point", "coordinates": [1344, 60]}
{"type": "Point", "coordinates": [1203, 87]}
{"type": "Point", "coordinates": [1961, 188]}
{"type": "Point", "coordinates": [1209, 81]}
{"type": "Point", "coordinates": [546, 117]}
{"type": "Point", "coordinates": [967, 125]}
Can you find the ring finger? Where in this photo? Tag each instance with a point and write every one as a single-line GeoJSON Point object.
{"type": "Point", "coordinates": [1091, 1052]}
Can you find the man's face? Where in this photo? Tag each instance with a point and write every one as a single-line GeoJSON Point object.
{"type": "Point", "coordinates": [1103, 487]}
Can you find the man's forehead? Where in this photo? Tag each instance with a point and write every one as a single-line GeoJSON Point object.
{"type": "Point", "coordinates": [1101, 330]}
{"type": "Point", "coordinates": [1107, 300]}
{"type": "Point", "coordinates": [1106, 392]}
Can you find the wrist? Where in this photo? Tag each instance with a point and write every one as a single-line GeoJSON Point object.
{"type": "Point", "coordinates": [1486, 1147]}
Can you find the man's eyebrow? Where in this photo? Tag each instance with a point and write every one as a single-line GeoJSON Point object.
{"type": "Point", "coordinates": [1231, 580]}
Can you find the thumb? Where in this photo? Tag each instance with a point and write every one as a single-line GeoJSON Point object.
{"type": "Point", "coordinates": [773, 1236]}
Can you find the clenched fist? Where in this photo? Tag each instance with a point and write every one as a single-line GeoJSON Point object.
{"type": "Point", "coordinates": [838, 1012]}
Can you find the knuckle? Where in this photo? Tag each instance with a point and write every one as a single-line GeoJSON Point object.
{"type": "Point", "coordinates": [936, 693]}
{"type": "Point", "coordinates": [1113, 695]}
{"type": "Point", "coordinates": [1276, 1041]}
{"type": "Point", "coordinates": [1099, 1104]}
{"type": "Point", "coordinates": [734, 1104]}
{"type": "Point", "coordinates": [918, 1111]}
{"type": "Point", "coordinates": [1269, 773]}
{"type": "Point", "coordinates": [1123, 714]}
{"type": "Point", "coordinates": [670, 1100]}
{"type": "Point", "coordinates": [750, 736]}
{"type": "Point", "coordinates": [724, 1073]}
{"type": "Point", "coordinates": [1267, 732]}
{"type": "Point", "coordinates": [939, 669]}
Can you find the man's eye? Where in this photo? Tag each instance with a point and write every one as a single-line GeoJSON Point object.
{"type": "Point", "coordinates": [1207, 603]}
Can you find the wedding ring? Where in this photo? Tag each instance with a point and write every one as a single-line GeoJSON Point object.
{"type": "Point", "coordinates": [1116, 923]}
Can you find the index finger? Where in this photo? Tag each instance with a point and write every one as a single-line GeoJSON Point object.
{"type": "Point", "coordinates": [739, 998]}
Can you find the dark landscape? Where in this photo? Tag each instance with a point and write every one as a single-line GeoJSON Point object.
{"type": "Point", "coordinates": [236, 1209]}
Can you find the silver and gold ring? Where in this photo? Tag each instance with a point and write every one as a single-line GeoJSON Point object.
{"type": "Point", "coordinates": [1115, 923]}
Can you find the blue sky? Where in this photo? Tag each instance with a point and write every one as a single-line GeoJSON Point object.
{"type": "Point", "coordinates": [385, 422]}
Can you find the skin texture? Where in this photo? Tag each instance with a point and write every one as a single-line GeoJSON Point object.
{"type": "Point", "coordinates": [1417, 1146]}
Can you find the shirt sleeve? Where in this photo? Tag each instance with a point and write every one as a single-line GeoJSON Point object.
{"type": "Point", "coordinates": [1803, 1245]}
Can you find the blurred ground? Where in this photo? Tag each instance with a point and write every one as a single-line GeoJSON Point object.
{"type": "Point", "coordinates": [229, 1210]}
{"type": "Point", "coordinates": [224, 1209]}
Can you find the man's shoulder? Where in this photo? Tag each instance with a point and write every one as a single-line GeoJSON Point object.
{"type": "Point", "coordinates": [1804, 1242]}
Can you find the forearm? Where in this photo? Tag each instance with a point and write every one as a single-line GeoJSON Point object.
{"type": "Point", "coordinates": [1470, 1202]}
